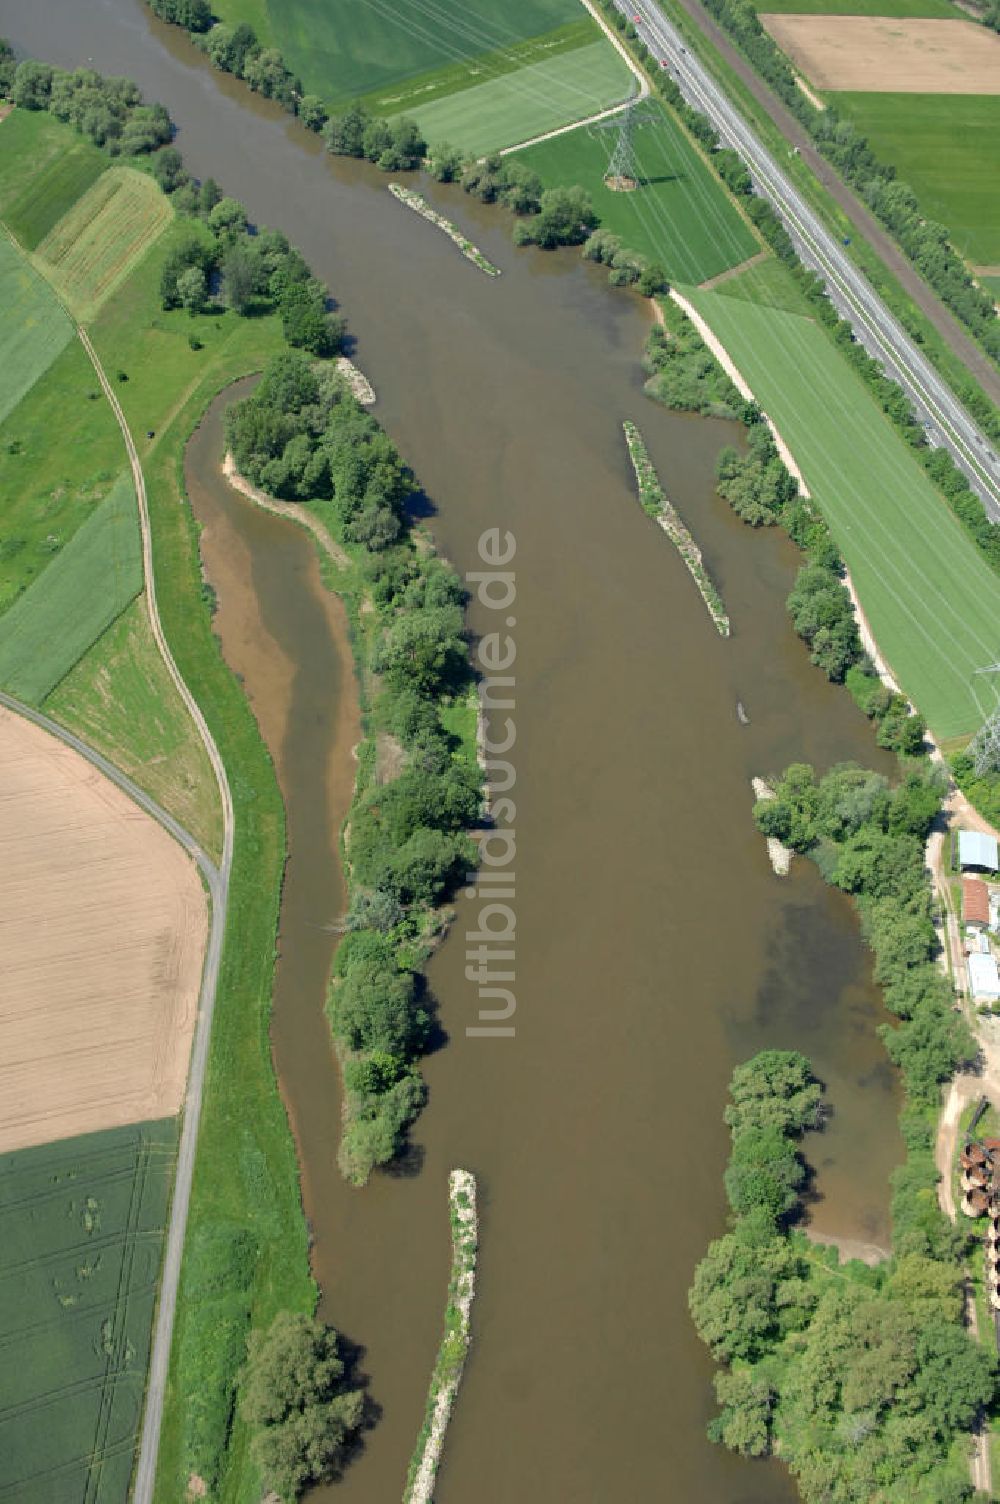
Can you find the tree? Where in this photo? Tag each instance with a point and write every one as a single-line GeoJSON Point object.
{"type": "Point", "coordinates": [209, 195]}
{"type": "Point", "coordinates": [298, 1404]}
{"type": "Point", "coordinates": [228, 219]}
{"type": "Point", "coordinates": [764, 1173]}
{"type": "Point", "coordinates": [425, 649]}
{"type": "Point", "coordinates": [776, 1089]}
{"type": "Point", "coordinates": [345, 134]}
{"type": "Point", "coordinates": [242, 275]}
{"type": "Point", "coordinates": [32, 85]}
{"type": "Point", "coordinates": [168, 169]}
{"type": "Point", "coordinates": [747, 1399]}
{"type": "Point", "coordinates": [566, 217]}
{"type": "Point", "coordinates": [445, 163]}
{"type": "Point", "coordinates": [192, 289]}
{"type": "Point", "coordinates": [312, 112]}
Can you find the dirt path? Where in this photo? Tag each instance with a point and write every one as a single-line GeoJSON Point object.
{"type": "Point", "coordinates": [865, 223]}
{"type": "Point", "coordinates": [159, 1362]}
{"type": "Point", "coordinates": [614, 109]}
{"type": "Point", "coordinates": [734, 271]}
{"type": "Point", "coordinates": [284, 509]}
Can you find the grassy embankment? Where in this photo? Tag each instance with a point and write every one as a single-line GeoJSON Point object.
{"type": "Point", "coordinates": [837, 222]}
{"type": "Point", "coordinates": [83, 1227]}
{"type": "Point", "coordinates": [947, 147]}
{"type": "Point", "coordinates": [680, 216]}
{"type": "Point", "coordinates": [932, 600]}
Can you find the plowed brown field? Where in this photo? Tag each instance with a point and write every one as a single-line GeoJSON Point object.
{"type": "Point", "coordinates": [890, 54]}
{"type": "Point", "coordinates": [103, 923]}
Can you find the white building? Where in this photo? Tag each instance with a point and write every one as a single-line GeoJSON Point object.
{"type": "Point", "coordinates": [977, 850]}
{"type": "Point", "coordinates": [984, 978]}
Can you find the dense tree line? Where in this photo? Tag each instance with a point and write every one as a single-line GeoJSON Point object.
{"type": "Point", "coordinates": [301, 435]}
{"type": "Point", "coordinates": [110, 111]}
{"type": "Point", "coordinates": [860, 1379]}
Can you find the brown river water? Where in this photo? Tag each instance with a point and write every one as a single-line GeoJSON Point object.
{"type": "Point", "coordinates": [654, 947]}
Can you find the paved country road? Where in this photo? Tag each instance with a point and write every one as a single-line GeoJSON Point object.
{"type": "Point", "coordinates": [218, 884]}
{"type": "Point", "coordinates": [948, 424]}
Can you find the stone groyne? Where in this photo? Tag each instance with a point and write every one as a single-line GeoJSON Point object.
{"type": "Point", "coordinates": [656, 504]}
{"type": "Point", "coordinates": [780, 856]}
{"type": "Point", "coordinates": [420, 206]}
{"type": "Point", "coordinates": [454, 1347]}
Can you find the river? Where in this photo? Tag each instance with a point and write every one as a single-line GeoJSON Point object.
{"type": "Point", "coordinates": [654, 947]}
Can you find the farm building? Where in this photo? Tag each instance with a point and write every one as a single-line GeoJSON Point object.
{"type": "Point", "coordinates": [984, 978]}
{"type": "Point", "coordinates": [975, 903]}
{"type": "Point", "coordinates": [977, 850]}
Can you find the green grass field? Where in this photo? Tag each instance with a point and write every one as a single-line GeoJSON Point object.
{"type": "Point", "coordinates": [947, 147]}
{"type": "Point", "coordinates": [681, 215]}
{"type": "Point", "coordinates": [343, 48]}
{"type": "Point", "coordinates": [33, 143]}
{"type": "Point", "coordinates": [992, 285]}
{"type": "Point", "coordinates": [50, 489]}
{"type": "Point", "coordinates": [52, 191]}
{"type": "Point", "coordinates": [769, 284]}
{"type": "Point", "coordinates": [933, 602]}
{"type": "Point", "coordinates": [467, 73]}
{"type": "Point", "coordinates": [83, 1224]}
{"type": "Point", "coordinates": [97, 242]}
{"type": "Point", "coordinates": [33, 327]}
{"type": "Point", "coordinates": [527, 103]}
{"type": "Point", "coordinates": [120, 699]}
{"type": "Point", "coordinates": [87, 584]}
{"type": "Point", "coordinates": [939, 8]}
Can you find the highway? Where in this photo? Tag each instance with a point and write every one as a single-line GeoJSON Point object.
{"type": "Point", "coordinates": [946, 421]}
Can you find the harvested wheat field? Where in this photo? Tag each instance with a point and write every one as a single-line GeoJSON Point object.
{"type": "Point", "coordinates": [890, 55]}
{"type": "Point", "coordinates": [103, 924]}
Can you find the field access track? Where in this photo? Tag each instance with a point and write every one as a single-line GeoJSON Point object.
{"type": "Point", "coordinates": [932, 601]}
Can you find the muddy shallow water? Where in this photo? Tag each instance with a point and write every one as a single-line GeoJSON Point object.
{"type": "Point", "coordinates": [654, 946]}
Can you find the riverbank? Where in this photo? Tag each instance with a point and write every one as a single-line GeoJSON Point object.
{"type": "Point", "coordinates": [297, 514]}
{"type": "Point", "coordinates": [454, 1349]}
{"type": "Point", "coordinates": [718, 349]}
